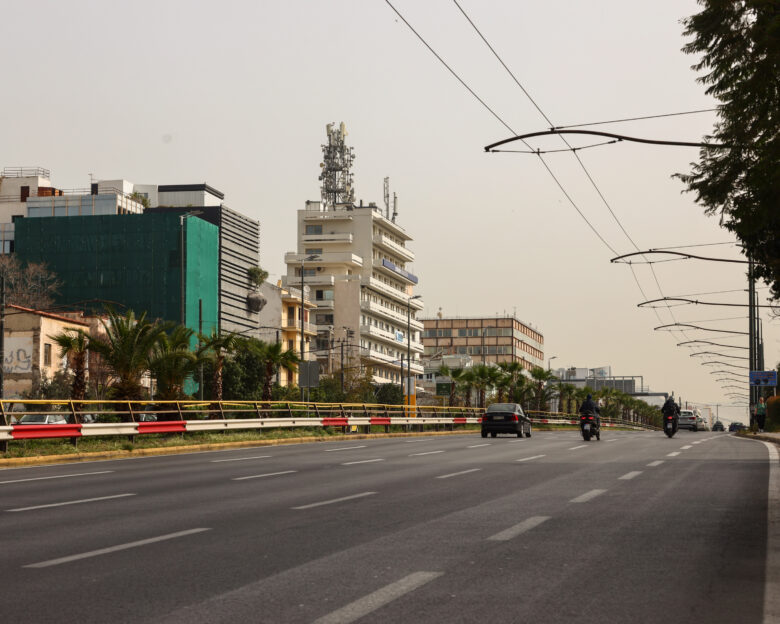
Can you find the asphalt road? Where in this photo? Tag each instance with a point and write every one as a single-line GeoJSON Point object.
{"type": "Point", "coordinates": [636, 527]}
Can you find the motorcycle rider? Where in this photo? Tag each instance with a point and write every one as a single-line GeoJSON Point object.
{"type": "Point", "coordinates": [670, 408]}
{"type": "Point", "coordinates": [590, 408]}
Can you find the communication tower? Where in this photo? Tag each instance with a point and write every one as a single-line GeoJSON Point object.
{"type": "Point", "coordinates": [336, 174]}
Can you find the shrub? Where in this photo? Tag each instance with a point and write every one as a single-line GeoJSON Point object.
{"type": "Point", "coordinates": [772, 414]}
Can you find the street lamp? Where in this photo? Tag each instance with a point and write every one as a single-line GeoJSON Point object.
{"type": "Point", "coordinates": [409, 347]}
{"type": "Point", "coordinates": [549, 361]}
{"type": "Point", "coordinates": [300, 371]}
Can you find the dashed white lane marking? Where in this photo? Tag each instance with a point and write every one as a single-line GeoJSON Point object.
{"type": "Point", "coordinates": [217, 461]}
{"type": "Point", "coordinates": [455, 474]}
{"type": "Point", "coordinates": [673, 454]}
{"type": "Point", "coordinates": [630, 475]}
{"type": "Point", "coordinates": [373, 601]}
{"type": "Point", "coordinates": [522, 527]}
{"type": "Point", "coordinates": [426, 453]}
{"type": "Point", "coordinates": [335, 500]}
{"type": "Point", "coordinates": [530, 458]}
{"type": "Point", "coordinates": [110, 549]}
{"type": "Point", "coordinates": [686, 447]}
{"type": "Point", "coordinates": [698, 441]}
{"type": "Point", "coordinates": [657, 462]}
{"type": "Point", "coordinates": [363, 461]}
{"type": "Point", "coordinates": [74, 502]}
{"type": "Point", "coordinates": [78, 474]}
{"type": "Point", "coordinates": [344, 448]}
{"type": "Point", "coordinates": [587, 496]}
{"type": "Point", "coordinates": [267, 474]}
{"type": "Point", "coordinates": [612, 440]}
{"type": "Point", "coordinates": [574, 448]}
{"type": "Point", "coordinates": [477, 445]}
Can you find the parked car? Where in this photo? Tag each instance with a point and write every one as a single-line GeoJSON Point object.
{"type": "Point", "coordinates": [505, 418]}
{"type": "Point", "coordinates": [42, 419]}
{"type": "Point", "coordinates": [736, 426]}
{"type": "Point", "coordinates": [718, 426]}
{"type": "Point", "coordinates": [687, 420]}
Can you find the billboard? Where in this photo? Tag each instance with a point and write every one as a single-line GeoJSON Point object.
{"type": "Point", "coordinates": [763, 378]}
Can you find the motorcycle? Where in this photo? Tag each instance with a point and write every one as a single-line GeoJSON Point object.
{"type": "Point", "coordinates": [589, 427]}
{"type": "Point", "coordinates": [670, 425]}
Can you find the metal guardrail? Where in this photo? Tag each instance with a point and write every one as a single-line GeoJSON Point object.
{"type": "Point", "coordinates": [130, 418]}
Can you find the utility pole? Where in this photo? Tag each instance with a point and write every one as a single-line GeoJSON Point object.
{"type": "Point", "coordinates": [342, 367]}
{"type": "Point", "coordinates": [2, 336]}
{"type": "Point", "coordinates": [200, 333]}
{"type": "Point", "coordinates": [752, 334]}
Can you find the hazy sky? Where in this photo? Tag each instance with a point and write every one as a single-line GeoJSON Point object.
{"type": "Point", "coordinates": [237, 94]}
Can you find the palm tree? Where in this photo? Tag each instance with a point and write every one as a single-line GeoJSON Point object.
{"type": "Point", "coordinates": [171, 361]}
{"type": "Point", "coordinates": [274, 359]}
{"type": "Point", "coordinates": [466, 385]}
{"type": "Point", "coordinates": [514, 373]}
{"type": "Point", "coordinates": [541, 378]}
{"type": "Point", "coordinates": [216, 348]}
{"type": "Point", "coordinates": [74, 345]}
{"type": "Point", "coordinates": [566, 394]}
{"type": "Point", "coordinates": [126, 350]}
{"type": "Point", "coordinates": [485, 377]}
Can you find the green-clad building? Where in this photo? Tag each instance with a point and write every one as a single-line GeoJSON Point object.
{"type": "Point", "coordinates": [166, 265]}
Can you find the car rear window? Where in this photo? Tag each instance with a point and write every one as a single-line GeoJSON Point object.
{"type": "Point", "coordinates": [502, 407]}
{"type": "Point", "coordinates": [686, 414]}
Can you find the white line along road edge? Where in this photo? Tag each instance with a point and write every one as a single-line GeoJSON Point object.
{"type": "Point", "coordinates": [771, 595]}
{"type": "Point", "coordinates": [370, 603]}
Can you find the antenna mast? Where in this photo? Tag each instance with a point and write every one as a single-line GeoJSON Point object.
{"type": "Point", "coordinates": [387, 198]}
{"type": "Point", "coordinates": [336, 176]}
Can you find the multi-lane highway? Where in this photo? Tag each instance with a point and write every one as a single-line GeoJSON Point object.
{"type": "Point", "coordinates": [634, 528]}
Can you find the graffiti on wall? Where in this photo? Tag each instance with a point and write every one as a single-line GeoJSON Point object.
{"type": "Point", "coordinates": [18, 354]}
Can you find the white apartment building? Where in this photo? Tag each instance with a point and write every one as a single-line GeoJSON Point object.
{"type": "Point", "coordinates": [353, 258]}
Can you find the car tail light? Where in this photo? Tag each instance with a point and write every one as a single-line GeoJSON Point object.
{"type": "Point", "coordinates": [514, 417]}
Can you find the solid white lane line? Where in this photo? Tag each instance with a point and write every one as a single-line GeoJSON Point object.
{"type": "Point", "coordinates": [79, 474]}
{"type": "Point", "coordinates": [110, 549]}
{"type": "Point", "coordinates": [630, 475]}
{"type": "Point", "coordinates": [455, 474]}
{"type": "Point", "coordinates": [217, 461]}
{"type": "Point", "coordinates": [74, 502]}
{"type": "Point", "coordinates": [772, 574]}
{"type": "Point", "coordinates": [428, 453]}
{"type": "Point", "coordinates": [530, 458]}
{"type": "Point", "coordinates": [362, 461]}
{"type": "Point", "coordinates": [344, 448]}
{"type": "Point", "coordinates": [686, 447]}
{"type": "Point", "coordinates": [267, 474]}
{"type": "Point", "coordinates": [522, 527]}
{"type": "Point", "coordinates": [587, 496]}
{"type": "Point", "coordinates": [574, 448]}
{"type": "Point", "coordinates": [657, 462]}
{"type": "Point", "coordinates": [373, 601]}
{"type": "Point", "coordinates": [334, 500]}
{"type": "Point", "coordinates": [674, 454]}
{"type": "Point", "coordinates": [477, 445]}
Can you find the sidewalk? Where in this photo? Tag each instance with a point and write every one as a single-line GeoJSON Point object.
{"type": "Point", "coordinates": [766, 437]}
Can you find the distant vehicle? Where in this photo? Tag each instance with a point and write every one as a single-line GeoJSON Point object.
{"type": "Point", "coordinates": [736, 426]}
{"type": "Point", "coordinates": [701, 425]}
{"type": "Point", "coordinates": [146, 417]}
{"type": "Point", "coordinates": [718, 426]}
{"type": "Point", "coordinates": [687, 420]}
{"type": "Point", "coordinates": [505, 418]}
{"type": "Point", "coordinates": [42, 419]}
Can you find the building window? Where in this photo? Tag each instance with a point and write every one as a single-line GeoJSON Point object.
{"type": "Point", "coordinates": [314, 250]}
{"type": "Point", "coordinates": [314, 229]}
{"type": "Point", "coordinates": [47, 354]}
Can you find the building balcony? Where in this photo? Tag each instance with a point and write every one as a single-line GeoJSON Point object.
{"type": "Point", "coordinates": [382, 358]}
{"type": "Point", "coordinates": [324, 304]}
{"type": "Point", "coordinates": [387, 290]}
{"type": "Point", "coordinates": [318, 280]}
{"type": "Point", "coordinates": [331, 237]}
{"type": "Point", "coordinates": [398, 339]}
{"type": "Point", "coordinates": [288, 324]}
{"type": "Point", "coordinates": [390, 245]}
{"type": "Point", "coordinates": [387, 313]}
{"type": "Point", "coordinates": [337, 258]}
{"type": "Point", "coordinates": [396, 272]}
{"type": "Point", "coordinates": [327, 215]}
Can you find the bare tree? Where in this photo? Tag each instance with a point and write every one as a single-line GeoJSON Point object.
{"type": "Point", "coordinates": [31, 286]}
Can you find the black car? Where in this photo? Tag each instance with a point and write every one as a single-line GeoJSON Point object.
{"type": "Point", "coordinates": [736, 426]}
{"type": "Point", "coordinates": [506, 418]}
{"type": "Point", "coordinates": [718, 426]}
